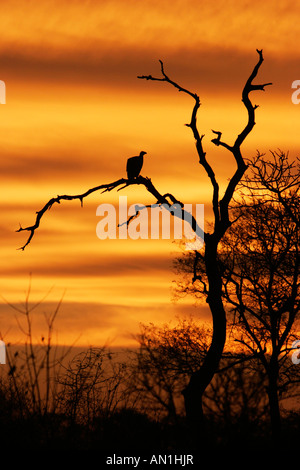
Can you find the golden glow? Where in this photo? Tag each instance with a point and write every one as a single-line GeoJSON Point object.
{"type": "Point", "coordinates": [83, 25]}
{"type": "Point", "coordinates": [76, 111]}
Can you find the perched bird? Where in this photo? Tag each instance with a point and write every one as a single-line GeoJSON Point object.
{"type": "Point", "coordinates": [134, 165]}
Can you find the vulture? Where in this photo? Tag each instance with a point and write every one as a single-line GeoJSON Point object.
{"type": "Point", "coordinates": [134, 165]}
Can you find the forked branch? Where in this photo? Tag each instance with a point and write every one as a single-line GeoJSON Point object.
{"type": "Point", "coordinates": [236, 148]}
{"type": "Point", "coordinates": [220, 208]}
{"type": "Point", "coordinates": [198, 137]}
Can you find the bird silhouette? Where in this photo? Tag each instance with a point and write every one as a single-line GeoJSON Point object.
{"type": "Point", "coordinates": [134, 165]}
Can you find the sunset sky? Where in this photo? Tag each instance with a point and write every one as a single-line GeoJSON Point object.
{"type": "Point", "coordinates": [75, 111]}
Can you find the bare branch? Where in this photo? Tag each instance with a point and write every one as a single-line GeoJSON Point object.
{"type": "Point", "coordinates": [165, 78]}
{"type": "Point", "coordinates": [246, 100]}
{"type": "Point", "coordinates": [198, 138]}
{"type": "Point", "coordinates": [138, 209]}
{"type": "Point", "coordinates": [57, 199]}
{"type": "Point", "coordinates": [218, 142]}
{"type": "Point", "coordinates": [236, 148]}
{"type": "Point", "coordinates": [123, 183]}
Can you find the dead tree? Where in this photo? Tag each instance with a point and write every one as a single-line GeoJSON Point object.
{"type": "Point", "coordinates": [201, 378]}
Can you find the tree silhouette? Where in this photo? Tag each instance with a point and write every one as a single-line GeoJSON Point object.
{"type": "Point", "coordinates": [199, 379]}
{"type": "Point", "coordinates": [92, 385]}
{"type": "Point", "coordinates": [166, 358]}
{"type": "Point", "coordinates": [277, 180]}
{"type": "Point", "coordinates": [259, 261]}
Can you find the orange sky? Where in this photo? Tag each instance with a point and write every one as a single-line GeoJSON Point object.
{"type": "Point", "coordinates": [76, 111]}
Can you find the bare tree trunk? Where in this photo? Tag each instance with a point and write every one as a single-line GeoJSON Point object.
{"type": "Point", "coordinates": [200, 379]}
{"type": "Point", "coordinates": [274, 405]}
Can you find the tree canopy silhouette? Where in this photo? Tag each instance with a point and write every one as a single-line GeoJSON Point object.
{"type": "Point", "coordinates": [167, 356]}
